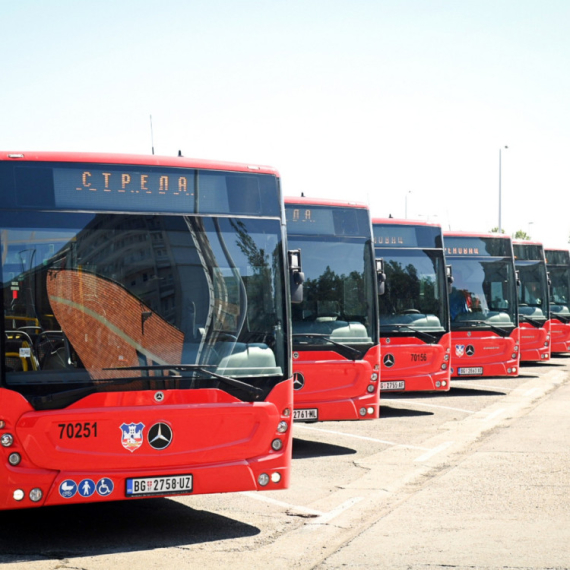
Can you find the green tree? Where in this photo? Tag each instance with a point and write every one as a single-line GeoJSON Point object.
{"type": "Point", "coordinates": [495, 230]}
{"type": "Point", "coordinates": [521, 234]}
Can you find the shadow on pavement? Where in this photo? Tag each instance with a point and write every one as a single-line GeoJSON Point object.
{"type": "Point", "coordinates": [456, 391]}
{"type": "Point", "coordinates": [305, 449]}
{"type": "Point", "coordinates": [388, 412]}
{"type": "Point", "coordinates": [103, 528]}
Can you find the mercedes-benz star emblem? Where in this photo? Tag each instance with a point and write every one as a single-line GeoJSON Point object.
{"type": "Point", "coordinates": [470, 350]}
{"type": "Point", "coordinates": [389, 360]}
{"type": "Point", "coordinates": [298, 381]}
{"type": "Point", "coordinates": [160, 436]}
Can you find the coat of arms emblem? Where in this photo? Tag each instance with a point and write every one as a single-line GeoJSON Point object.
{"type": "Point", "coordinates": [132, 435]}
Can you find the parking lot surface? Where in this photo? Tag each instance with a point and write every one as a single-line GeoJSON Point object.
{"type": "Point", "coordinates": [478, 477]}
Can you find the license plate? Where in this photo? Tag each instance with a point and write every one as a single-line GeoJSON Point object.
{"type": "Point", "coordinates": [473, 371]}
{"type": "Point", "coordinates": [171, 485]}
{"type": "Point", "coordinates": [397, 385]}
{"type": "Point", "coordinates": [307, 414]}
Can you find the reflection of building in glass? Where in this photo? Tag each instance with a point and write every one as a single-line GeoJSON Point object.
{"type": "Point", "coordinates": [107, 326]}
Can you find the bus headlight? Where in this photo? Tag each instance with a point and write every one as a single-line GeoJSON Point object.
{"type": "Point", "coordinates": [14, 459]}
{"type": "Point", "coordinates": [275, 477]}
{"type": "Point", "coordinates": [371, 388]}
{"type": "Point", "coordinates": [362, 412]}
{"type": "Point", "coordinates": [7, 440]}
{"type": "Point", "coordinates": [374, 377]}
{"type": "Point", "coordinates": [36, 495]}
{"type": "Point", "coordinates": [282, 427]}
{"type": "Point", "coordinates": [18, 495]}
{"type": "Point", "coordinates": [263, 479]}
{"type": "Point", "coordinates": [276, 444]}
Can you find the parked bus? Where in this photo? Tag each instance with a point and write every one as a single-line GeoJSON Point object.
{"type": "Point", "coordinates": [336, 352]}
{"type": "Point", "coordinates": [558, 266]}
{"type": "Point", "coordinates": [485, 335]}
{"type": "Point", "coordinates": [145, 331]}
{"type": "Point", "coordinates": [534, 301]}
{"type": "Point", "coordinates": [414, 309]}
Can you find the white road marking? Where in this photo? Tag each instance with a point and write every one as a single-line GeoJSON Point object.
{"type": "Point", "coordinates": [417, 403]}
{"type": "Point", "coordinates": [360, 437]}
{"type": "Point", "coordinates": [434, 451]}
{"type": "Point", "coordinates": [494, 414]}
{"type": "Point", "coordinates": [530, 392]}
{"type": "Point", "coordinates": [266, 499]}
{"type": "Point", "coordinates": [327, 517]}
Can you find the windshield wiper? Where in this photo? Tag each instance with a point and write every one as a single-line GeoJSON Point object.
{"type": "Point", "coordinates": [562, 318]}
{"type": "Point", "coordinates": [54, 401]}
{"type": "Point", "coordinates": [251, 390]}
{"type": "Point", "coordinates": [499, 330]}
{"type": "Point", "coordinates": [51, 401]}
{"type": "Point", "coordinates": [357, 353]}
{"type": "Point", "coordinates": [421, 334]}
{"type": "Point", "coordinates": [533, 322]}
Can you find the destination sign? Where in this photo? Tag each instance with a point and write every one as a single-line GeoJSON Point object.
{"type": "Point", "coordinates": [406, 235]}
{"type": "Point", "coordinates": [118, 190]}
{"type": "Point", "coordinates": [480, 246]}
{"type": "Point", "coordinates": [557, 257]}
{"type": "Point", "coordinates": [128, 188]}
{"type": "Point", "coordinates": [327, 220]}
{"type": "Point", "coordinates": [528, 252]}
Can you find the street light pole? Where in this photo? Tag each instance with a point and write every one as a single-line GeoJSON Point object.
{"type": "Point", "coordinates": [500, 226]}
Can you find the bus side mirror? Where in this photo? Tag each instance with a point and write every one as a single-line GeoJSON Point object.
{"type": "Point", "coordinates": [381, 276]}
{"type": "Point", "coordinates": [518, 277]}
{"type": "Point", "coordinates": [297, 277]}
{"type": "Point", "coordinates": [550, 289]}
{"type": "Point", "coordinates": [449, 275]}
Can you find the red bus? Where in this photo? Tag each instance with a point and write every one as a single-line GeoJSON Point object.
{"type": "Point", "coordinates": [485, 332]}
{"type": "Point", "coordinates": [336, 352]}
{"type": "Point", "coordinates": [558, 266]}
{"type": "Point", "coordinates": [145, 331]}
{"type": "Point", "coordinates": [534, 301]}
{"type": "Point", "coordinates": [414, 309]}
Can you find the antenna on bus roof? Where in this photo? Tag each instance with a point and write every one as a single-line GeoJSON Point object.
{"type": "Point", "coordinates": [151, 135]}
{"type": "Point", "coordinates": [179, 153]}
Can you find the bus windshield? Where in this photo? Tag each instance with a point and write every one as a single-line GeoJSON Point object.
{"type": "Point", "coordinates": [483, 293]}
{"type": "Point", "coordinates": [533, 292]}
{"type": "Point", "coordinates": [560, 298]}
{"type": "Point", "coordinates": [416, 290]}
{"type": "Point", "coordinates": [338, 289]}
{"type": "Point", "coordinates": [120, 302]}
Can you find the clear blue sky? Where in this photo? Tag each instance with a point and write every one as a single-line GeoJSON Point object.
{"type": "Point", "coordinates": [370, 100]}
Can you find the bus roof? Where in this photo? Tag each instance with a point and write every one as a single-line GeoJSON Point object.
{"type": "Point", "coordinates": [324, 202]}
{"type": "Point", "coordinates": [455, 233]}
{"type": "Point", "coordinates": [527, 242]}
{"type": "Point", "coordinates": [134, 159]}
{"type": "Point", "coordinates": [399, 221]}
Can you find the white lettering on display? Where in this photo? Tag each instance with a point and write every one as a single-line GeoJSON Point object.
{"type": "Point", "coordinates": [134, 184]}
{"type": "Point", "coordinates": [462, 250]}
{"type": "Point", "coordinates": [297, 215]}
{"type": "Point", "coordinates": [388, 240]}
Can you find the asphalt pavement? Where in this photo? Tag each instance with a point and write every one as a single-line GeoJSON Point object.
{"type": "Point", "coordinates": [505, 505]}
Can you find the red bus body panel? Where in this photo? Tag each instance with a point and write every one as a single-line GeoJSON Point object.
{"type": "Point", "coordinates": [423, 367]}
{"type": "Point", "coordinates": [535, 342]}
{"type": "Point", "coordinates": [225, 444]}
{"type": "Point", "coordinates": [491, 353]}
{"type": "Point", "coordinates": [559, 336]}
{"type": "Point", "coordinates": [336, 386]}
